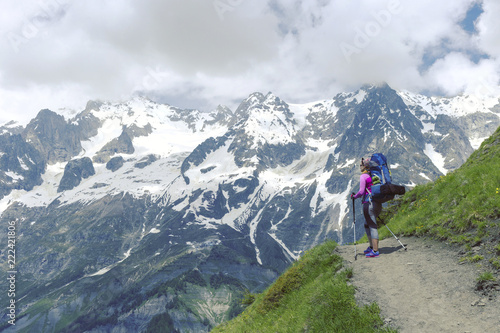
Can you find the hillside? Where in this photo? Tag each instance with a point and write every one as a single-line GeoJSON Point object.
{"type": "Point", "coordinates": [313, 295]}
{"type": "Point", "coordinates": [446, 281]}
{"type": "Point", "coordinates": [461, 208]}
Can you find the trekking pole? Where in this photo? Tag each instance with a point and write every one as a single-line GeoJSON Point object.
{"type": "Point", "coordinates": [395, 236]}
{"type": "Point", "coordinates": [354, 218]}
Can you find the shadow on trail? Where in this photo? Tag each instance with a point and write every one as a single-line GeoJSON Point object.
{"type": "Point", "coordinates": [388, 250]}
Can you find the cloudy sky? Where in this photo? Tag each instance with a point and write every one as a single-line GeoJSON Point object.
{"type": "Point", "coordinates": [201, 53]}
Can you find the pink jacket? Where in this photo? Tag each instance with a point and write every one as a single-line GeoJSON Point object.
{"type": "Point", "coordinates": [365, 185]}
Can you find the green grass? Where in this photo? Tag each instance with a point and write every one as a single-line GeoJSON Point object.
{"type": "Point", "coordinates": [313, 295]}
{"type": "Point", "coordinates": [486, 276]}
{"type": "Point", "coordinates": [460, 208]}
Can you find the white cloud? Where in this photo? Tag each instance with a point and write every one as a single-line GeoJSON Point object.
{"type": "Point", "coordinates": [489, 26]}
{"type": "Point", "coordinates": [60, 53]}
{"type": "Point", "coordinates": [456, 73]}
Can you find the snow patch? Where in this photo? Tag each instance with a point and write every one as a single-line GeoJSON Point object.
{"type": "Point", "coordinates": [359, 97]}
{"type": "Point", "coordinates": [428, 127]}
{"type": "Point", "coordinates": [476, 142]}
{"type": "Point", "coordinates": [457, 106]}
{"type": "Point", "coordinates": [425, 176]}
{"type": "Point", "coordinates": [14, 175]}
{"type": "Point", "coordinates": [436, 158]}
{"type": "Point", "coordinates": [347, 164]}
{"type": "Point", "coordinates": [108, 268]}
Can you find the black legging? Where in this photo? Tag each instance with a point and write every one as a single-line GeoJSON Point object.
{"type": "Point", "coordinates": [371, 210]}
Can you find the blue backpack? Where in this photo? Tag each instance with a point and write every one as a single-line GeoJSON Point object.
{"type": "Point", "coordinates": [382, 189]}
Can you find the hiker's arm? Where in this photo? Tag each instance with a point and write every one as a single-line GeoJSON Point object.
{"type": "Point", "coordinates": [362, 186]}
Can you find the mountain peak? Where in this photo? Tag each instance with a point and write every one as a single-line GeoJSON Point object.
{"type": "Point", "coordinates": [93, 105]}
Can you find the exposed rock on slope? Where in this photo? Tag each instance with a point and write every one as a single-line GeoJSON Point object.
{"type": "Point", "coordinates": [74, 172]}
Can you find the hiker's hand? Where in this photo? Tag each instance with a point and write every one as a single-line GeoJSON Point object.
{"type": "Point", "coordinates": [352, 195]}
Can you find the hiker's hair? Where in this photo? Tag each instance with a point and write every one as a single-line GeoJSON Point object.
{"type": "Point", "coordinates": [365, 164]}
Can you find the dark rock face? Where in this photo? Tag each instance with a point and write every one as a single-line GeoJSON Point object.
{"type": "Point", "coordinates": [121, 145]}
{"type": "Point", "coordinates": [56, 139]}
{"type": "Point", "coordinates": [21, 165]}
{"type": "Point", "coordinates": [115, 163]}
{"type": "Point", "coordinates": [222, 115]}
{"type": "Point", "coordinates": [135, 131]}
{"type": "Point", "coordinates": [48, 138]}
{"type": "Point", "coordinates": [53, 137]}
{"type": "Point", "coordinates": [145, 161]}
{"type": "Point", "coordinates": [74, 172]}
{"type": "Point", "coordinates": [200, 153]}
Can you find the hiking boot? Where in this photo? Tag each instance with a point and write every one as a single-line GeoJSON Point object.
{"type": "Point", "coordinates": [372, 254]}
{"type": "Point", "coordinates": [368, 250]}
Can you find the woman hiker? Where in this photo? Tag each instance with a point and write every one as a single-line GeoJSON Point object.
{"type": "Point", "coordinates": [370, 209]}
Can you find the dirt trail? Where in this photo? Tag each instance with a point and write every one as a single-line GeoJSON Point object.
{"type": "Point", "coordinates": [423, 289]}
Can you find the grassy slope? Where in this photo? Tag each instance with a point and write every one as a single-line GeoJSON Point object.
{"type": "Point", "coordinates": [313, 295]}
{"type": "Point", "coordinates": [460, 208]}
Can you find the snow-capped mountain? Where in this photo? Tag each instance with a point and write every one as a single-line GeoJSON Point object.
{"type": "Point", "coordinates": [129, 212]}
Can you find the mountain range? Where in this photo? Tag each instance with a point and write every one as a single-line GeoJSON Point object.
{"type": "Point", "coordinates": [137, 213]}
